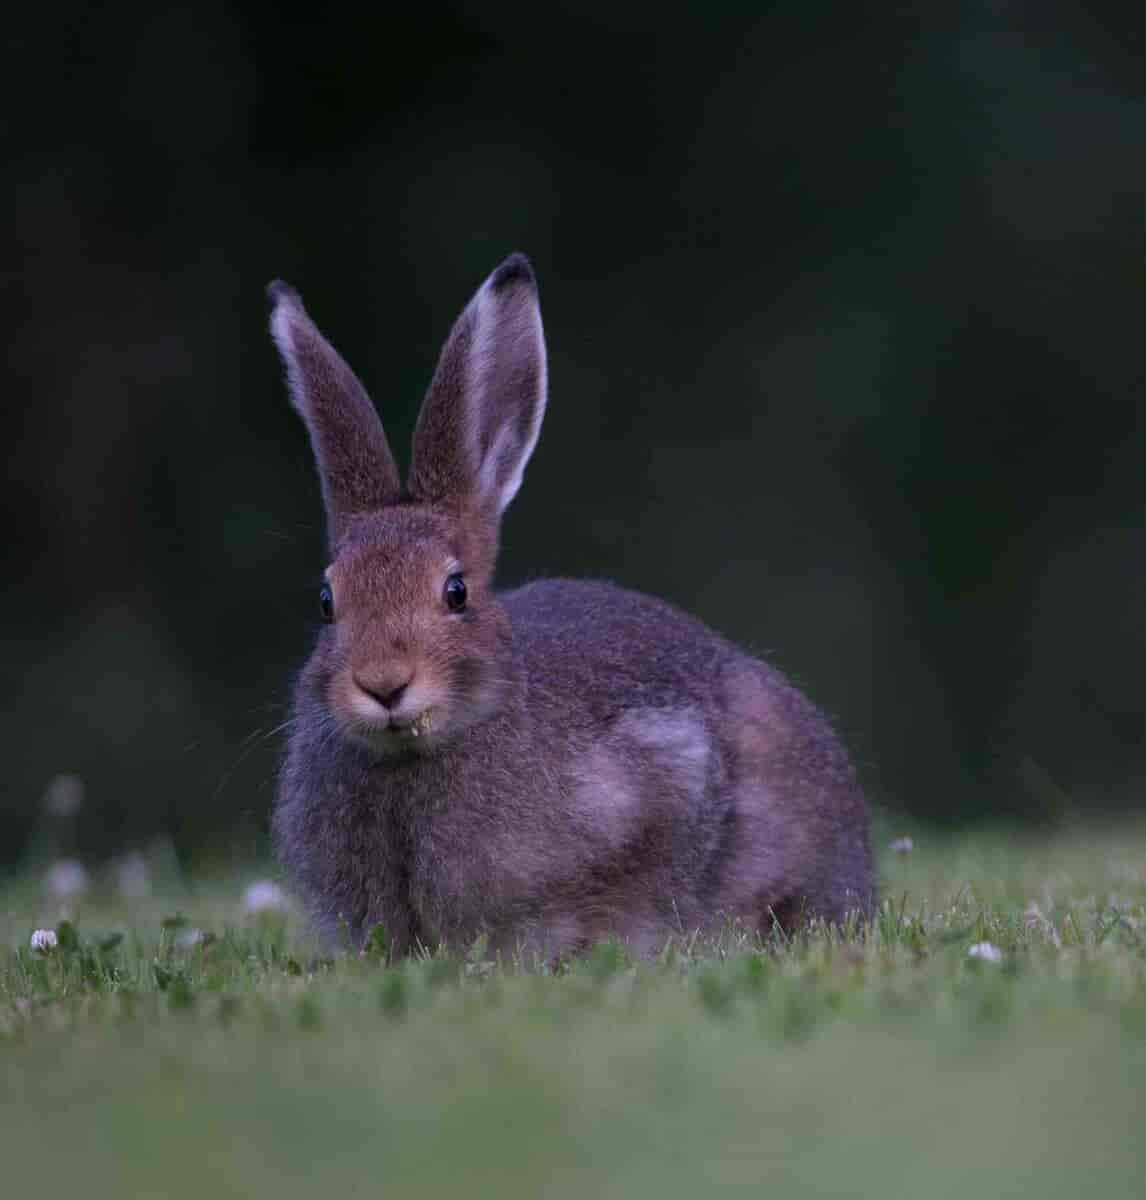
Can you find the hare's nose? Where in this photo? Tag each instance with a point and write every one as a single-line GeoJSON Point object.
{"type": "Point", "coordinates": [386, 692]}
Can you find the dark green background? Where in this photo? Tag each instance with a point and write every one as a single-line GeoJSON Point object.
{"type": "Point", "coordinates": [844, 312]}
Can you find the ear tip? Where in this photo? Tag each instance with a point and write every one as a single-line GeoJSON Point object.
{"type": "Point", "coordinates": [516, 269]}
{"type": "Point", "coordinates": [279, 292]}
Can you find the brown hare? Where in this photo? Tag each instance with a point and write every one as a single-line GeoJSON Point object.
{"type": "Point", "coordinates": [549, 766]}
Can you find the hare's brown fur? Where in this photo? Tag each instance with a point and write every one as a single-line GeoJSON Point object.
{"type": "Point", "coordinates": [551, 766]}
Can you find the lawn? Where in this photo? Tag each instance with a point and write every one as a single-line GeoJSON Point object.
{"type": "Point", "coordinates": [176, 1044]}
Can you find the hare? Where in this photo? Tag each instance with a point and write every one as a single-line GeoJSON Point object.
{"type": "Point", "coordinates": [550, 766]}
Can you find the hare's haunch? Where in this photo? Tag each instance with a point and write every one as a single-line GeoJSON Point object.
{"type": "Point", "coordinates": [549, 766]}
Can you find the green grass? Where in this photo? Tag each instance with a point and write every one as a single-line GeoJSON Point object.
{"type": "Point", "coordinates": [879, 1062]}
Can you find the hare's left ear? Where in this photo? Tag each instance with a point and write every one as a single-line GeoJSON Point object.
{"type": "Point", "coordinates": [482, 413]}
{"type": "Point", "coordinates": [355, 466]}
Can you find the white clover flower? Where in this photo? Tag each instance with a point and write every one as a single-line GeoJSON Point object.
{"type": "Point", "coordinates": [901, 845]}
{"type": "Point", "coordinates": [44, 941]}
{"type": "Point", "coordinates": [64, 796]}
{"type": "Point", "coordinates": [1036, 921]}
{"type": "Point", "coordinates": [133, 876]}
{"type": "Point", "coordinates": [66, 878]}
{"type": "Point", "coordinates": [986, 951]}
{"type": "Point", "coordinates": [264, 895]}
{"type": "Point", "coordinates": [188, 939]}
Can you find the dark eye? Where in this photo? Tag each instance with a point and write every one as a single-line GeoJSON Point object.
{"type": "Point", "coordinates": [326, 603]}
{"type": "Point", "coordinates": [455, 593]}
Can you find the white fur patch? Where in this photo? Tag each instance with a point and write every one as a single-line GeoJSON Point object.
{"type": "Point", "coordinates": [606, 798]}
{"type": "Point", "coordinates": [676, 739]}
{"type": "Point", "coordinates": [613, 782]}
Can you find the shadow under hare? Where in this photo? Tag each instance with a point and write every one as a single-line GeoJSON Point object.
{"type": "Point", "coordinates": [548, 766]}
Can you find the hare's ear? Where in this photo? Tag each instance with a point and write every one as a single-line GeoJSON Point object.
{"type": "Point", "coordinates": [355, 465]}
{"type": "Point", "coordinates": [482, 414]}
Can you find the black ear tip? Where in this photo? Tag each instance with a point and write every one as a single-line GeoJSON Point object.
{"type": "Point", "coordinates": [515, 269]}
{"type": "Point", "coordinates": [278, 292]}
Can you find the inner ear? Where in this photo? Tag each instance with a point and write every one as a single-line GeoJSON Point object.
{"type": "Point", "coordinates": [482, 414]}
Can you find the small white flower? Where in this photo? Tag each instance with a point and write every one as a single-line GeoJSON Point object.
{"type": "Point", "coordinates": [133, 876]}
{"type": "Point", "coordinates": [264, 895]}
{"type": "Point", "coordinates": [987, 951]}
{"type": "Point", "coordinates": [44, 941]}
{"type": "Point", "coordinates": [64, 796]}
{"type": "Point", "coordinates": [901, 845]}
{"type": "Point", "coordinates": [66, 878]}
{"type": "Point", "coordinates": [188, 939]}
{"type": "Point", "coordinates": [1035, 921]}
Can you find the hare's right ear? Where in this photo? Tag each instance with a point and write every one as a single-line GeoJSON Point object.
{"type": "Point", "coordinates": [355, 465]}
{"type": "Point", "coordinates": [482, 414]}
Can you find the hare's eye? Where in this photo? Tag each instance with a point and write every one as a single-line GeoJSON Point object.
{"type": "Point", "coordinates": [455, 593]}
{"type": "Point", "coordinates": [326, 603]}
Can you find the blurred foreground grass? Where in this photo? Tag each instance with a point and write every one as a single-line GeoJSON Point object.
{"type": "Point", "coordinates": [210, 1052]}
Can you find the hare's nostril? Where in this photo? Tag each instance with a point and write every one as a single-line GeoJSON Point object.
{"type": "Point", "coordinates": [385, 693]}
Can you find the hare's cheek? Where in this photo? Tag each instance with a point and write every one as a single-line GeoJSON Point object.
{"type": "Point", "coordinates": [475, 687]}
{"type": "Point", "coordinates": [337, 697]}
{"type": "Point", "coordinates": [468, 675]}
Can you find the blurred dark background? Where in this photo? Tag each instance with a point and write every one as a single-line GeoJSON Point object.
{"type": "Point", "coordinates": [844, 314]}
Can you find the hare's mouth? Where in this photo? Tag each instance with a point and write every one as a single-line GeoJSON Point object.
{"type": "Point", "coordinates": [397, 736]}
{"type": "Point", "coordinates": [420, 726]}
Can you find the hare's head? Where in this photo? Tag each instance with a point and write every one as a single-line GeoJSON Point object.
{"type": "Point", "coordinates": [413, 649]}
